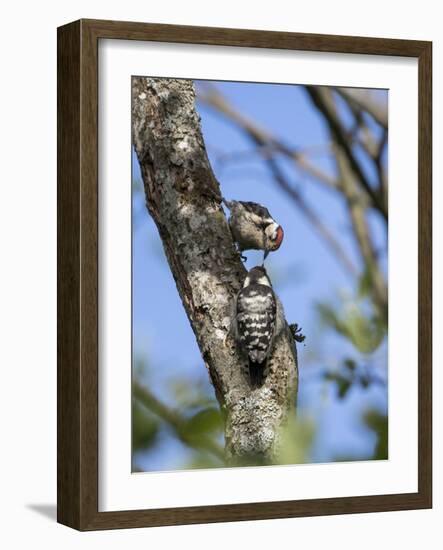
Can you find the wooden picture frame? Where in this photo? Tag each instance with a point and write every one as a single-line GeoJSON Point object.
{"type": "Point", "coordinates": [78, 274]}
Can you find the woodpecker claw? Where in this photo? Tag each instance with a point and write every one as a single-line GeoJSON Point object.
{"type": "Point", "coordinates": [296, 333]}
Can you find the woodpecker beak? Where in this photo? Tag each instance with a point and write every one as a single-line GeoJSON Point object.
{"type": "Point", "coordinates": [265, 256]}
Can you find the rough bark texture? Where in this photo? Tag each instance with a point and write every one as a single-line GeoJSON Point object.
{"type": "Point", "coordinates": [183, 197]}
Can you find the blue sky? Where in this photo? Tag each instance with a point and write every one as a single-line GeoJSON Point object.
{"type": "Point", "coordinates": [304, 272]}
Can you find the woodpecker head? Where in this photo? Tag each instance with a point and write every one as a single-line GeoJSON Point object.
{"type": "Point", "coordinates": [253, 227]}
{"type": "Point", "coordinates": [274, 237]}
{"type": "Point", "coordinates": [257, 276]}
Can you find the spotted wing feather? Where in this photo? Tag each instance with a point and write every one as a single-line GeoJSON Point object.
{"type": "Point", "coordinates": [256, 316]}
{"type": "Point", "coordinates": [257, 209]}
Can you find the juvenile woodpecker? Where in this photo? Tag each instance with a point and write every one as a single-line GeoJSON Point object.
{"type": "Point", "coordinates": [256, 322]}
{"type": "Point", "coordinates": [253, 227]}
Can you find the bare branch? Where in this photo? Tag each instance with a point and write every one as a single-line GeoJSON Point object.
{"type": "Point", "coordinates": [222, 157]}
{"type": "Point", "coordinates": [363, 136]}
{"type": "Point", "coordinates": [383, 178]}
{"type": "Point", "coordinates": [183, 197]}
{"type": "Point", "coordinates": [352, 194]}
{"type": "Point", "coordinates": [362, 235]}
{"type": "Point", "coordinates": [261, 137]}
{"type": "Point", "coordinates": [311, 215]}
{"type": "Point", "coordinates": [362, 100]}
{"type": "Point", "coordinates": [323, 100]}
{"type": "Point", "coordinates": [267, 143]}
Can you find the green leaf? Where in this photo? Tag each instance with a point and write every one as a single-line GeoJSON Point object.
{"type": "Point", "coordinates": [365, 333]}
{"type": "Point", "coordinates": [205, 421]}
{"type": "Point", "coordinates": [378, 423]}
{"type": "Point", "coordinates": [188, 396]}
{"type": "Point", "coordinates": [296, 441]}
{"type": "Point", "coordinates": [343, 383]}
{"type": "Point", "coordinates": [144, 428]}
{"type": "Point", "coordinates": [365, 283]}
{"type": "Point", "coordinates": [343, 387]}
{"type": "Point", "coordinates": [202, 460]}
{"type": "Point", "coordinates": [350, 364]}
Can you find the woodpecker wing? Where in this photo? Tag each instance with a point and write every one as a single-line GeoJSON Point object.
{"type": "Point", "coordinates": [256, 313]}
{"type": "Point", "coordinates": [254, 208]}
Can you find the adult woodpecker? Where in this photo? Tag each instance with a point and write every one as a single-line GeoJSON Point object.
{"type": "Point", "coordinates": [257, 322]}
{"type": "Point", "coordinates": [253, 227]}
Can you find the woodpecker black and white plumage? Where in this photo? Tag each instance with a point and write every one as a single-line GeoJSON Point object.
{"type": "Point", "coordinates": [253, 227]}
{"type": "Point", "coordinates": [256, 322]}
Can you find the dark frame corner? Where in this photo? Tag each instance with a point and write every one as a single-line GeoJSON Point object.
{"type": "Point", "coordinates": [77, 317]}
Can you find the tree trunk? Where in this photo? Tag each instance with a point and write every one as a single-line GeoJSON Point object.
{"type": "Point", "coordinates": [184, 199]}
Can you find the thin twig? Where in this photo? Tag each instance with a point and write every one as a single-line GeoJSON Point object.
{"type": "Point", "coordinates": [362, 135]}
{"type": "Point", "coordinates": [365, 103]}
{"type": "Point", "coordinates": [266, 142]}
{"type": "Point", "coordinates": [323, 100]}
{"type": "Point", "coordinates": [212, 98]}
{"type": "Point", "coordinates": [311, 215]}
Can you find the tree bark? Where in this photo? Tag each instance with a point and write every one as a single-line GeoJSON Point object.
{"type": "Point", "coordinates": [184, 199]}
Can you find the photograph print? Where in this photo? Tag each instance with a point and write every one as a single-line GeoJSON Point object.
{"type": "Point", "coordinates": [259, 274]}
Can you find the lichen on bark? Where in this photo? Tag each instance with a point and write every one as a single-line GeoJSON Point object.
{"type": "Point", "coordinates": [184, 199]}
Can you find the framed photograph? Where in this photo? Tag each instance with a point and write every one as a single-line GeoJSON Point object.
{"type": "Point", "coordinates": [244, 275]}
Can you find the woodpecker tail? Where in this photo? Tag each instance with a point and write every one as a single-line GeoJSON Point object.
{"type": "Point", "coordinates": [257, 373]}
